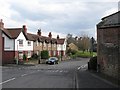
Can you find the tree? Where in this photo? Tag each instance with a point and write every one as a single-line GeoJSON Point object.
{"type": "Point", "coordinates": [84, 43]}
{"type": "Point", "coordinates": [70, 39]}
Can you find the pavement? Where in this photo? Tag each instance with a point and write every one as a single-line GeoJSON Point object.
{"type": "Point", "coordinates": [92, 79]}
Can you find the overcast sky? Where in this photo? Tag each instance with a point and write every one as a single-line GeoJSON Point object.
{"type": "Point", "coordinates": [58, 16]}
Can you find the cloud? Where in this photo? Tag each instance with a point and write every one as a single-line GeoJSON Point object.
{"type": "Point", "coordinates": [58, 16]}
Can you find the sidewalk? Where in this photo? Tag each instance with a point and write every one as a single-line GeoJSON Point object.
{"type": "Point", "coordinates": [87, 79]}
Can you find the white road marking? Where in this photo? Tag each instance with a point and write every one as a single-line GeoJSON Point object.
{"type": "Point", "coordinates": [56, 70]}
{"type": "Point", "coordinates": [23, 75]}
{"type": "Point", "coordinates": [79, 68]}
{"type": "Point", "coordinates": [61, 71]}
{"type": "Point", "coordinates": [83, 66]}
{"type": "Point", "coordinates": [7, 81]}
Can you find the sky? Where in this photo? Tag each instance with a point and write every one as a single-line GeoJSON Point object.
{"type": "Point", "coordinates": [77, 17]}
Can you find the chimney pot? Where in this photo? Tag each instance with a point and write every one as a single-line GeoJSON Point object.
{"type": "Point", "coordinates": [39, 32]}
{"type": "Point", "coordinates": [25, 29]}
{"type": "Point", "coordinates": [50, 35]}
{"type": "Point", "coordinates": [58, 37]}
{"type": "Point", "coordinates": [1, 24]}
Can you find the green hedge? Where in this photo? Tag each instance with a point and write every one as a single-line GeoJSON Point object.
{"type": "Point", "coordinates": [44, 54]}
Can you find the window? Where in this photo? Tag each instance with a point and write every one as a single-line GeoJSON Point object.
{"type": "Point", "coordinates": [29, 54]}
{"type": "Point", "coordinates": [37, 52]}
{"type": "Point", "coordinates": [37, 43]}
{"type": "Point", "coordinates": [49, 45]}
{"type": "Point", "coordinates": [29, 43]}
{"type": "Point", "coordinates": [54, 53]}
{"type": "Point", "coordinates": [40, 44]}
{"type": "Point", "coordinates": [55, 45]}
{"type": "Point", "coordinates": [44, 44]}
{"type": "Point", "coordinates": [20, 42]}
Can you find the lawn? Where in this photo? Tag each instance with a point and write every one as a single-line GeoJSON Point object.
{"type": "Point", "coordinates": [84, 54]}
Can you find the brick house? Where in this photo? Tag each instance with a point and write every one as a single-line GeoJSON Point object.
{"type": "Point", "coordinates": [46, 43]}
{"type": "Point", "coordinates": [0, 46]}
{"type": "Point", "coordinates": [108, 47]}
{"type": "Point", "coordinates": [15, 44]}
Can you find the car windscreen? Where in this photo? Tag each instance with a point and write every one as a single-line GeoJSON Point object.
{"type": "Point", "coordinates": [52, 59]}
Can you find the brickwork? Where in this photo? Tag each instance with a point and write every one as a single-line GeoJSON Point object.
{"type": "Point", "coordinates": [8, 57]}
{"type": "Point", "coordinates": [0, 46]}
{"type": "Point", "coordinates": [109, 51]}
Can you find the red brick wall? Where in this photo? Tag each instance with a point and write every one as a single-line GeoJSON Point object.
{"type": "Point", "coordinates": [108, 56]}
{"type": "Point", "coordinates": [8, 57]}
{"type": "Point", "coordinates": [0, 47]}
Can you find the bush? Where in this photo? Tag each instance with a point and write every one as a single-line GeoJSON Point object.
{"type": "Point", "coordinates": [70, 51]}
{"type": "Point", "coordinates": [44, 54]}
{"type": "Point", "coordinates": [24, 57]}
{"type": "Point", "coordinates": [35, 56]}
{"type": "Point", "coordinates": [92, 64]}
{"type": "Point", "coordinates": [73, 52]}
{"type": "Point", "coordinates": [73, 56]}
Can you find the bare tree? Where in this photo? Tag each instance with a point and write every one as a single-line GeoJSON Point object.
{"type": "Point", "coordinates": [84, 43]}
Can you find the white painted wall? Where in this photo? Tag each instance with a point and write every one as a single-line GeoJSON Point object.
{"type": "Point", "coordinates": [62, 47]}
{"type": "Point", "coordinates": [8, 43]}
{"type": "Point", "coordinates": [25, 46]}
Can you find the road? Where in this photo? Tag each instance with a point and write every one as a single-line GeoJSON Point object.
{"type": "Point", "coordinates": [66, 74]}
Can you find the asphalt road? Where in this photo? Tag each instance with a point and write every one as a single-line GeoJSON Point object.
{"type": "Point", "coordinates": [66, 74]}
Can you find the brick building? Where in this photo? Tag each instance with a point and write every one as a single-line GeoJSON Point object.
{"type": "Point", "coordinates": [15, 42]}
{"type": "Point", "coordinates": [108, 38]}
{"type": "Point", "coordinates": [1, 41]}
{"type": "Point", "coordinates": [0, 46]}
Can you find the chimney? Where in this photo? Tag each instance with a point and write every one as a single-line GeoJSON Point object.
{"type": "Point", "coordinates": [50, 35]}
{"type": "Point", "coordinates": [39, 32]}
{"type": "Point", "coordinates": [76, 38]}
{"type": "Point", "coordinates": [1, 24]}
{"type": "Point", "coordinates": [58, 37]}
{"type": "Point", "coordinates": [25, 29]}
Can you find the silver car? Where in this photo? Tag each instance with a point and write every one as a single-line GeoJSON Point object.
{"type": "Point", "coordinates": [52, 60]}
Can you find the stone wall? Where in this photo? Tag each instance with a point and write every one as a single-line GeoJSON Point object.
{"type": "Point", "coordinates": [109, 51]}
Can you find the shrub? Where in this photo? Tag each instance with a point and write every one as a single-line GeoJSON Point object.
{"type": "Point", "coordinates": [35, 56]}
{"type": "Point", "coordinates": [93, 63]}
{"type": "Point", "coordinates": [70, 51]}
{"type": "Point", "coordinates": [73, 56]}
{"type": "Point", "coordinates": [24, 57]}
{"type": "Point", "coordinates": [73, 52]}
{"type": "Point", "coordinates": [44, 54]}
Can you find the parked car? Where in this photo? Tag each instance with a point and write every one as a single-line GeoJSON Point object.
{"type": "Point", "coordinates": [52, 60]}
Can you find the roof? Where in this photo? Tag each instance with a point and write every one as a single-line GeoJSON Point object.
{"type": "Point", "coordinates": [32, 37]}
{"type": "Point", "coordinates": [60, 41]}
{"type": "Point", "coordinates": [110, 21]}
{"type": "Point", "coordinates": [12, 33]}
